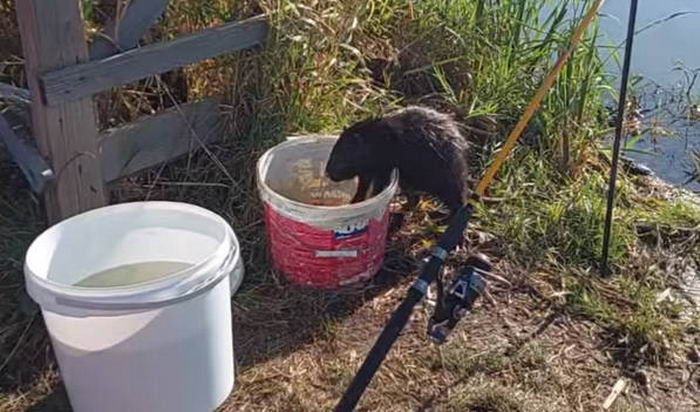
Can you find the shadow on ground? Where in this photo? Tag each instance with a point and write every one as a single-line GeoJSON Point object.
{"type": "Point", "coordinates": [276, 319]}
{"type": "Point", "coordinates": [56, 401]}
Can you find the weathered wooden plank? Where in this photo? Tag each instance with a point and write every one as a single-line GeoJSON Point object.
{"type": "Point", "coordinates": [159, 138]}
{"type": "Point", "coordinates": [52, 38]}
{"type": "Point", "coordinates": [86, 79]}
{"type": "Point", "coordinates": [137, 18]}
{"type": "Point", "coordinates": [33, 166]}
{"type": "Point", "coordinates": [8, 91]}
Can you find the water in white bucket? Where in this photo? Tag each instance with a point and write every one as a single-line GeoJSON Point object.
{"type": "Point", "coordinates": [132, 274]}
{"type": "Point", "coordinates": [136, 298]}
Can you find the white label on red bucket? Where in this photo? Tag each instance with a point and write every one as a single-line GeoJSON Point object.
{"type": "Point", "coordinates": [351, 230]}
{"type": "Point", "coordinates": [336, 253]}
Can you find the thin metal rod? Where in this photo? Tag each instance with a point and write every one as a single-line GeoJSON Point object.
{"type": "Point", "coordinates": [618, 137]}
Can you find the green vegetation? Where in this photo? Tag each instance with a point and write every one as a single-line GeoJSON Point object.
{"type": "Point", "coordinates": [328, 63]}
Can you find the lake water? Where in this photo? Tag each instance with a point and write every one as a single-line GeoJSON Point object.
{"type": "Point", "coordinates": [657, 51]}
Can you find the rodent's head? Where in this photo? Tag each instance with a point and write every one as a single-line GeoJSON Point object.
{"type": "Point", "coordinates": [352, 155]}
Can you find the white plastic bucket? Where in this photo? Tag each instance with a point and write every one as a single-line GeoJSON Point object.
{"type": "Point", "coordinates": [160, 345]}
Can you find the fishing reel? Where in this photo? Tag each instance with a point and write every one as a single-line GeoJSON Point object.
{"type": "Point", "coordinates": [459, 299]}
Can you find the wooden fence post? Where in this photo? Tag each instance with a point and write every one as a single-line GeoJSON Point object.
{"type": "Point", "coordinates": [66, 134]}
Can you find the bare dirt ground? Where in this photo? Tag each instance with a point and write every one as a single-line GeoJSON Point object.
{"type": "Point", "coordinates": [524, 347]}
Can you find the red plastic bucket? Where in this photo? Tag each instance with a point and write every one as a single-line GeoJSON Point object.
{"type": "Point", "coordinates": [314, 236]}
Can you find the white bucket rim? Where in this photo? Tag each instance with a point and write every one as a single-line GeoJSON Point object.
{"type": "Point", "coordinates": [176, 286]}
{"type": "Point", "coordinates": [358, 207]}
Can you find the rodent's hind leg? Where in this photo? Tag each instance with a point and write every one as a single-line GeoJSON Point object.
{"type": "Point", "coordinates": [395, 222]}
{"type": "Point", "coordinates": [452, 199]}
{"type": "Point", "coordinates": [453, 202]}
{"type": "Point", "coordinates": [454, 208]}
{"type": "Point", "coordinates": [362, 187]}
{"type": "Point", "coordinates": [412, 199]}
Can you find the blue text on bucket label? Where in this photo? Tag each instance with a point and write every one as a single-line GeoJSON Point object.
{"type": "Point", "coordinates": [350, 230]}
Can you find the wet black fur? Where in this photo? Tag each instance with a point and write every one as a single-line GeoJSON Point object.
{"type": "Point", "coordinates": [427, 147]}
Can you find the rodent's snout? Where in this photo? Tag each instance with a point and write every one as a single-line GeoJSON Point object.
{"type": "Point", "coordinates": [338, 172]}
{"type": "Point", "coordinates": [333, 175]}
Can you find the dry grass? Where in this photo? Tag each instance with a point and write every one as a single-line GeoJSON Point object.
{"type": "Point", "coordinates": [557, 339]}
{"type": "Point", "coordinates": [521, 352]}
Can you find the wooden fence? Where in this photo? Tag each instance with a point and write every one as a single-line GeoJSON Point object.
{"type": "Point", "coordinates": [71, 163]}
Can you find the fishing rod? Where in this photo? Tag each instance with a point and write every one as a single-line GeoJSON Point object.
{"type": "Point", "coordinates": [470, 283]}
{"type": "Point", "coordinates": [622, 100]}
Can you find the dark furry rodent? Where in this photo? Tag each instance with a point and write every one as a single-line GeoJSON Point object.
{"type": "Point", "coordinates": [426, 146]}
